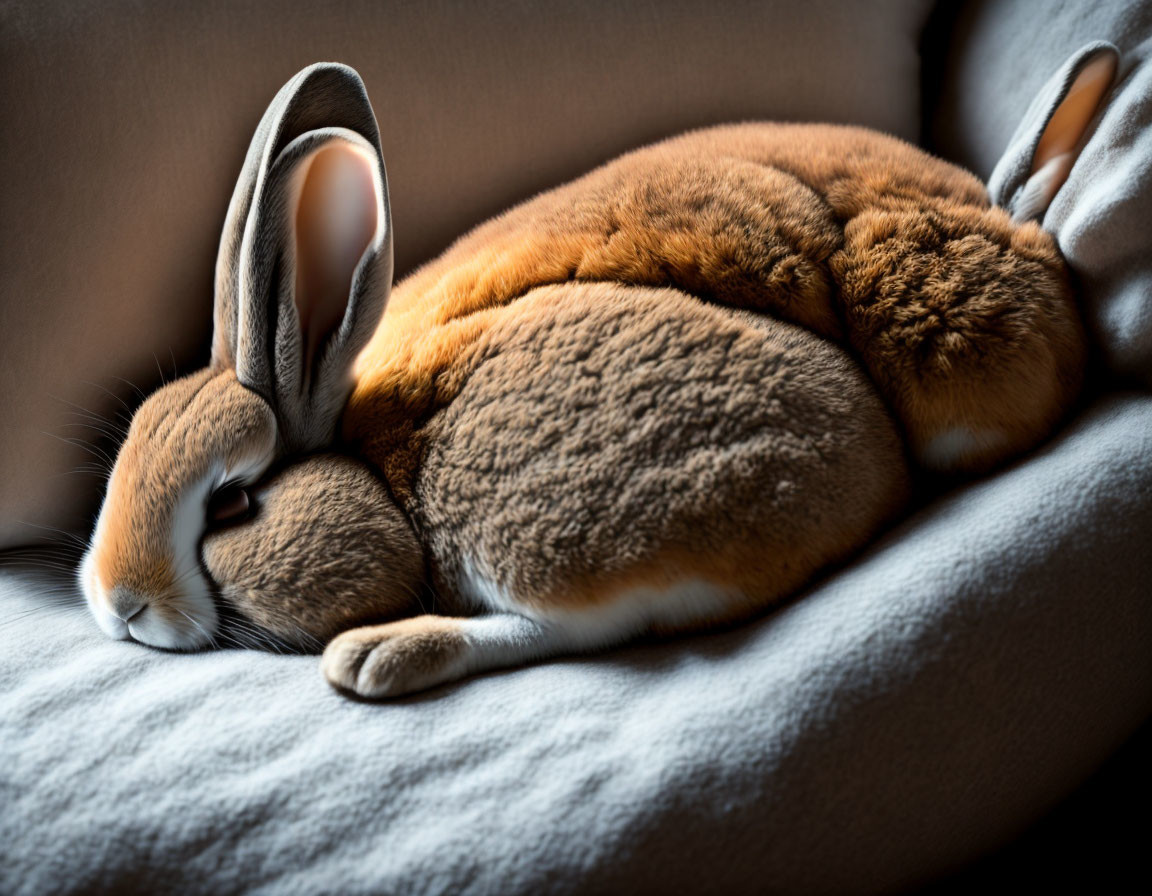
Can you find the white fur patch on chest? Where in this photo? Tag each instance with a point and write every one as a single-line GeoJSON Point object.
{"type": "Point", "coordinates": [625, 614]}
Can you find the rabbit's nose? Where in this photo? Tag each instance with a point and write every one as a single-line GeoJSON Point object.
{"type": "Point", "coordinates": [125, 603]}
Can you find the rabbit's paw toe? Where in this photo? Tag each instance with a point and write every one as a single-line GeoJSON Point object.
{"type": "Point", "coordinates": [398, 658]}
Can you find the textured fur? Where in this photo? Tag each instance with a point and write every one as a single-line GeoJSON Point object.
{"type": "Point", "coordinates": [344, 554]}
{"type": "Point", "coordinates": [962, 317]}
{"type": "Point", "coordinates": [660, 397]}
{"type": "Point", "coordinates": [565, 446]}
{"type": "Point", "coordinates": [142, 576]}
{"type": "Point", "coordinates": [405, 656]}
{"type": "Point", "coordinates": [302, 277]}
{"type": "Point", "coordinates": [608, 437]}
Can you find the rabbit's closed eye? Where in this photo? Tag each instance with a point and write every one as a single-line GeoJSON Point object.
{"type": "Point", "coordinates": [228, 504]}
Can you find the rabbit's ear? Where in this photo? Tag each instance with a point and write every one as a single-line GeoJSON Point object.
{"type": "Point", "coordinates": [305, 263]}
{"type": "Point", "coordinates": [1044, 148]}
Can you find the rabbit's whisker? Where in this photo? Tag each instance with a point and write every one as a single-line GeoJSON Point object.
{"type": "Point", "coordinates": [112, 394]}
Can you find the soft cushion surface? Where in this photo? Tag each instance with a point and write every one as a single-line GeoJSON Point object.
{"type": "Point", "coordinates": [915, 709]}
{"type": "Point", "coordinates": [1003, 51]}
{"type": "Point", "coordinates": [124, 129]}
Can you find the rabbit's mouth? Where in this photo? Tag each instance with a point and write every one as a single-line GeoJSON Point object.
{"type": "Point", "coordinates": [154, 591]}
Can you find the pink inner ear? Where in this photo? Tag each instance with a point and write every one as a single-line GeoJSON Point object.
{"type": "Point", "coordinates": [336, 219]}
{"type": "Point", "coordinates": [1068, 122]}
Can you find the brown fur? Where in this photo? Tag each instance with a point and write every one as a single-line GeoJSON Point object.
{"type": "Point", "coordinates": [175, 438]}
{"type": "Point", "coordinates": [674, 371]}
{"type": "Point", "coordinates": [609, 436]}
{"type": "Point", "coordinates": [397, 658]}
{"type": "Point", "coordinates": [974, 328]}
{"type": "Point", "coordinates": [847, 232]}
{"type": "Point", "coordinates": [326, 550]}
{"type": "Point", "coordinates": [521, 422]}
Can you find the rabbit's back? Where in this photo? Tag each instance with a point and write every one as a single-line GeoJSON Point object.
{"type": "Point", "coordinates": [960, 316]}
{"type": "Point", "coordinates": [715, 213]}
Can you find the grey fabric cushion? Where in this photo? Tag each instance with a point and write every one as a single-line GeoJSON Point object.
{"type": "Point", "coordinates": [1003, 52]}
{"type": "Point", "coordinates": [914, 710]}
{"type": "Point", "coordinates": [125, 127]}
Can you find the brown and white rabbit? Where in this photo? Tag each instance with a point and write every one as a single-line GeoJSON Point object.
{"type": "Point", "coordinates": [660, 397]}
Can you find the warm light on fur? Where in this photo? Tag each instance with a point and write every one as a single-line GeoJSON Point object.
{"type": "Point", "coordinates": [662, 397]}
{"type": "Point", "coordinates": [962, 317]}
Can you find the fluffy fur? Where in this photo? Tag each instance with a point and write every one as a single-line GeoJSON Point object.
{"type": "Point", "coordinates": [142, 576]}
{"type": "Point", "coordinates": [962, 317]}
{"type": "Point", "coordinates": [343, 553]}
{"type": "Point", "coordinates": [660, 397]}
{"type": "Point", "coordinates": [564, 445]}
{"type": "Point", "coordinates": [609, 437]}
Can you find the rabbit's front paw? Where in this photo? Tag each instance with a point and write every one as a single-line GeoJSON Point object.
{"type": "Point", "coordinates": [397, 658]}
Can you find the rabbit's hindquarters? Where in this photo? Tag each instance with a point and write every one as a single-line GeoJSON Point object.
{"type": "Point", "coordinates": [626, 459]}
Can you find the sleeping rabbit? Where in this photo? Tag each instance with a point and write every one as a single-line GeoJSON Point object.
{"type": "Point", "coordinates": [661, 397]}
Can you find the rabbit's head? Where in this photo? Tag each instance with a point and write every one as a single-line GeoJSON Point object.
{"type": "Point", "coordinates": [303, 275]}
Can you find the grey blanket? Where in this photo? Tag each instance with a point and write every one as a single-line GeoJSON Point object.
{"type": "Point", "coordinates": [908, 713]}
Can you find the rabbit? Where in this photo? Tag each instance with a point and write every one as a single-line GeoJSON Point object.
{"type": "Point", "coordinates": [659, 398]}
